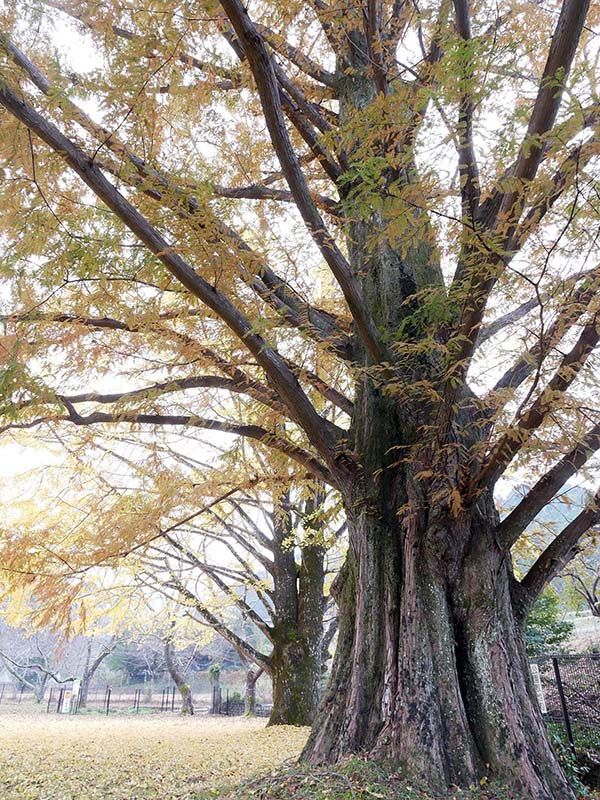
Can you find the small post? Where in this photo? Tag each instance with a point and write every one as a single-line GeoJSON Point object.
{"type": "Point", "coordinates": [60, 699]}
{"type": "Point", "coordinates": [108, 693]}
{"type": "Point", "coordinates": [49, 699]}
{"type": "Point", "coordinates": [173, 700]}
{"type": "Point", "coordinates": [21, 693]}
{"type": "Point", "coordinates": [563, 703]}
{"type": "Point", "coordinates": [2, 692]}
{"type": "Point", "coordinates": [227, 703]}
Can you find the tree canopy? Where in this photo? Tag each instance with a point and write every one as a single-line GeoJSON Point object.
{"type": "Point", "coordinates": [363, 237]}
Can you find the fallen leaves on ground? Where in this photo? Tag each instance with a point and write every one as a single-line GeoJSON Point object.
{"type": "Point", "coordinates": [52, 757]}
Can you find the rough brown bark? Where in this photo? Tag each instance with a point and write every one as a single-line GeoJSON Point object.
{"type": "Point", "coordinates": [431, 671]}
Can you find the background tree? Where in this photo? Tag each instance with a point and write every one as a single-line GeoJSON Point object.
{"type": "Point", "coordinates": [177, 673]}
{"type": "Point", "coordinates": [584, 573]}
{"type": "Point", "coordinates": [357, 306]}
{"type": "Point", "coordinates": [34, 672]}
{"type": "Point", "coordinates": [547, 629]}
{"type": "Point", "coordinates": [268, 562]}
{"type": "Point", "coordinates": [96, 653]}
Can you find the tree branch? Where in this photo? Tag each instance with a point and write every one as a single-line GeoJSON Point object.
{"type": "Point", "coordinates": [266, 82]}
{"type": "Point", "coordinates": [262, 435]}
{"type": "Point", "coordinates": [467, 160]}
{"type": "Point", "coordinates": [572, 310]}
{"type": "Point", "coordinates": [277, 371]}
{"type": "Point", "coordinates": [559, 552]}
{"type": "Point", "coordinates": [242, 646]}
{"type": "Point", "coordinates": [161, 187]}
{"type": "Point", "coordinates": [558, 65]}
{"type": "Point", "coordinates": [299, 59]}
{"type": "Point", "coordinates": [516, 437]}
{"type": "Point", "coordinates": [511, 527]}
{"type": "Point", "coordinates": [207, 570]}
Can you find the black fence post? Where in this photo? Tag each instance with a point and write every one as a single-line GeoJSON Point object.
{"type": "Point", "coordinates": [108, 693]}
{"type": "Point", "coordinates": [21, 693]}
{"type": "Point", "coordinates": [2, 692]}
{"type": "Point", "coordinates": [49, 699]}
{"type": "Point", "coordinates": [60, 699]}
{"type": "Point", "coordinates": [563, 703]}
{"type": "Point", "coordinates": [173, 700]}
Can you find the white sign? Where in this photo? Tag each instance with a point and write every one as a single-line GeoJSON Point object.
{"type": "Point", "coordinates": [65, 707]}
{"type": "Point", "coordinates": [76, 688]}
{"type": "Point", "coordinates": [539, 689]}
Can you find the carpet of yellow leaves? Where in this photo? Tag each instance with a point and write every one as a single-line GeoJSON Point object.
{"type": "Point", "coordinates": [164, 757]}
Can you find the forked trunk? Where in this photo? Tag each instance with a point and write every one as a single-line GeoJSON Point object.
{"type": "Point", "coordinates": [430, 672]}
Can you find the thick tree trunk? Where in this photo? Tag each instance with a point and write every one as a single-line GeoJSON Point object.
{"type": "Point", "coordinates": [430, 671]}
{"type": "Point", "coordinates": [296, 681]}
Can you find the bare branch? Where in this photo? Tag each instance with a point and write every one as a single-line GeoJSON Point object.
{"type": "Point", "coordinates": [242, 646]}
{"type": "Point", "coordinates": [516, 437]}
{"type": "Point", "coordinates": [560, 551]}
{"type": "Point", "coordinates": [511, 527]}
{"type": "Point", "coordinates": [211, 573]}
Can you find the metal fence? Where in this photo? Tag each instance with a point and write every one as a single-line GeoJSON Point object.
{"type": "Point", "coordinates": [108, 698]}
{"type": "Point", "coordinates": [16, 694]}
{"type": "Point", "coordinates": [569, 694]}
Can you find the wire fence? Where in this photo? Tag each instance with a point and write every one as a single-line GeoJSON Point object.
{"type": "Point", "coordinates": [568, 689]}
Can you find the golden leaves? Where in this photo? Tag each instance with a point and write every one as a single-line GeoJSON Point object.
{"type": "Point", "coordinates": [135, 758]}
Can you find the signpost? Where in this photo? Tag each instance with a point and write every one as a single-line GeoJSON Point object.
{"type": "Point", "coordinates": [539, 689]}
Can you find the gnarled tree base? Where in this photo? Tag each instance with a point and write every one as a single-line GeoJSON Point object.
{"type": "Point", "coordinates": [430, 673]}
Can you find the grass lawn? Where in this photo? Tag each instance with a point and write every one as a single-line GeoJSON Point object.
{"type": "Point", "coordinates": [164, 757]}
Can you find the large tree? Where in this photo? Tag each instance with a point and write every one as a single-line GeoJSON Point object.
{"type": "Point", "coordinates": [371, 226]}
